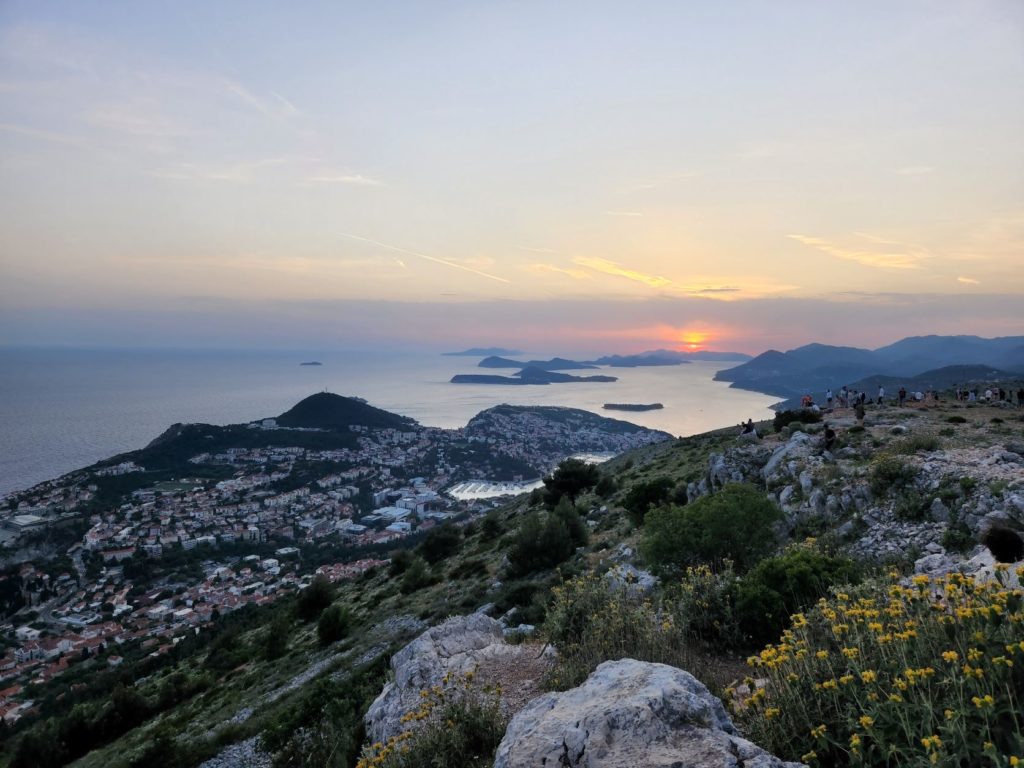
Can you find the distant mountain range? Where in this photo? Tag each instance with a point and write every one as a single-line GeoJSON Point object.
{"type": "Point", "coordinates": [482, 352]}
{"type": "Point", "coordinates": [936, 361]}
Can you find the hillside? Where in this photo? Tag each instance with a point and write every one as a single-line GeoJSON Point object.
{"type": "Point", "coordinates": [326, 410]}
{"type": "Point", "coordinates": [915, 489]}
{"type": "Point", "coordinates": [817, 367]}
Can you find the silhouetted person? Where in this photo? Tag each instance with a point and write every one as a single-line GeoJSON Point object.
{"type": "Point", "coordinates": [830, 438]}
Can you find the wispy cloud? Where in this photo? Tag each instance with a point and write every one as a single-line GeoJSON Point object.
{"type": "Point", "coordinates": [54, 137]}
{"type": "Point", "coordinates": [537, 250]}
{"type": "Point", "coordinates": [633, 214]}
{"type": "Point", "coordinates": [356, 179]}
{"type": "Point", "coordinates": [575, 274]}
{"type": "Point", "coordinates": [891, 256]}
{"type": "Point", "coordinates": [608, 267]}
{"type": "Point", "coordinates": [424, 256]}
{"type": "Point", "coordinates": [278, 108]}
{"type": "Point", "coordinates": [968, 281]}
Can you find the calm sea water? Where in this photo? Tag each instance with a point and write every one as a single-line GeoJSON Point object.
{"type": "Point", "coordinates": [65, 409]}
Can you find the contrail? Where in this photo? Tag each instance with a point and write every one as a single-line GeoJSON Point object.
{"type": "Point", "coordinates": [425, 256]}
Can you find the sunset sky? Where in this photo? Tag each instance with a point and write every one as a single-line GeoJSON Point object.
{"type": "Point", "coordinates": [551, 175]}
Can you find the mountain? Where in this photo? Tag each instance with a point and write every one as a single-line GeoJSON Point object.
{"type": "Point", "coordinates": [668, 357]}
{"type": "Point", "coordinates": [325, 410]}
{"type": "Point", "coordinates": [529, 375]}
{"type": "Point", "coordinates": [554, 364]}
{"type": "Point", "coordinates": [482, 352]}
{"type": "Point", "coordinates": [816, 367]}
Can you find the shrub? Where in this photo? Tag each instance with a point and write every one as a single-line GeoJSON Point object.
{"type": "Point", "coordinates": [416, 577]}
{"type": "Point", "coordinates": [734, 524]}
{"type": "Point", "coordinates": [590, 621]}
{"type": "Point", "coordinates": [780, 586]}
{"type": "Point", "coordinates": [957, 538]}
{"type": "Point", "coordinates": [571, 478]}
{"type": "Point", "coordinates": [802, 416]}
{"type": "Point", "coordinates": [956, 420]}
{"type": "Point", "coordinates": [457, 725]}
{"type": "Point", "coordinates": [401, 559]}
{"type": "Point", "coordinates": [275, 640]}
{"type": "Point", "coordinates": [897, 675]}
{"type": "Point", "coordinates": [911, 506]}
{"type": "Point", "coordinates": [441, 543]}
{"type": "Point", "coordinates": [565, 511]}
{"type": "Point", "coordinates": [911, 445]}
{"type": "Point", "coordinates": [606, 486]}
{"type": "Point", "coordinates": [890, 474]}
{"type": "Point", "coordinates": [643, 496]}
{"type": "Point", "coordinates": [542, 541]}
{"type": "Point", "coordinates": [490, 526]}
{"type": "Point", "coordinates": [334, 624]}
{"type": "Point", "coordinates": [314, 598]}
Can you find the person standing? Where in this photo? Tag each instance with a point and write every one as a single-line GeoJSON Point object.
{"type": "Point", "coordinates": [881, 394]}
{"type": "Point", "coordinates": [828, 397]}
{"type": "Point", "coordinates": [902, 395]}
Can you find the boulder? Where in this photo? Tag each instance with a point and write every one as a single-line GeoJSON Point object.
{"type": "Point", "coordinates": [629, 713]}
{"type": "Point", "coordinates": [463, 644]}
{"type": "Point", "coordinates": [633, 580]}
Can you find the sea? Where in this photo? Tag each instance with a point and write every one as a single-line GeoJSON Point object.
{"type": "Point", "coordinates": [63, 409]}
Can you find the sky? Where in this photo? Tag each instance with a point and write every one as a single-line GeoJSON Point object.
{"type": "Point", "coordinates": [553, 176]}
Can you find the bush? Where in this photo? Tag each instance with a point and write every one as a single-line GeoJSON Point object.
{"type": "Point", "coordinates": [890, 474]}
{"type": "Point", "coordinates": [802, 416]}
{"type": "Point", "coordinates": [643, 496]}
{"type": "Point", "coordinates": [490, 526]}
{"type": "Point", "coordinates": [957, 538]}
{"type": "Point", "coordinates": [542, 541]}
{"type": "Point", "coordinates": [735, 524]}
{"type": "Point", "coordinates": [441, 543]}
{"type": "Point", "coordinates": [401, 559]}
{"type": "Point", "coordinates": [314, 598]}
{"type": "Point", "coordinates": [956, 420]}
{"type": "Point", "coordinates": [911, 445]}
{"type": "Point", "coordinates": [590, 621]}
{"type": "Point", "coordinates": [416, 577]}
{"type": "Point", "coordinates": [275, 640]}
{"type": "Point", "coordinates": [456, 726]}
{"type": "Point", "coordinates": [606, 486]}
{"type": "Point", "coordinates": [565, 511]}
{"type": "Point", "coordinates": [780, 586]}
{"type": "Point", "coordinates": [334, 624]}
{"type": "Point", "coordinates": [571, 478]}
{"type": "Point", "coordinates": [896, 675]}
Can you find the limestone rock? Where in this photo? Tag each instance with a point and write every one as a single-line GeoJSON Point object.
{"type": "Point", "coordinates": [458, 646]}
{"type": "Point", "coordinates": [629, 713]}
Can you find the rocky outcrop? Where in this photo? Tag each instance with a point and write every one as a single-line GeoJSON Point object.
{"type": "Point", "coordinates": [464, 644]}
{"type": "Point", "coordinates": [629, 713]}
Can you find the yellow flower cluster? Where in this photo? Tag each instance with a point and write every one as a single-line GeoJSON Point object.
{"type": "Point", "coordinates": [898, 672]}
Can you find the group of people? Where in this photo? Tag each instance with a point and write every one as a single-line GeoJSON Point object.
{"type": "Point", "coordinates": [991, 395]}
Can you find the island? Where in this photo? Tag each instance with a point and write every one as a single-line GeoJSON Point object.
{"type": "Point", "coordinates": [633, 406]}
{"type": "Point", "coordinates": [482, 352]}
{"type": "Point", "coordinates": [312, 362]}
{"type": "Point", "coordinates": [529, 375]}
{"type": "Point", "coordinates": [554, 364]}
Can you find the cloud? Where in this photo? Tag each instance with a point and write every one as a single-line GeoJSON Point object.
{"type": "Point", "coordinates": [279, 109]}
{"type": "Point", "coordinates": [899, 257]}
{"type": "Point", "coordinates": [576, 274]}
{"type": "Point", "coordinates": [424, 256]}
{"type": "Point", "coordinates": [614, 268]}
{"type": "Point", "coordinates": [968, 281]}
{"type": "Point", "coordinates": [623, 213]}
{"type": "Point", "coordinates": [356, 179]}
{"type": "Point", "coordinates": [44, 135]}
{"type": "Point", "coordinates": [537, 250]}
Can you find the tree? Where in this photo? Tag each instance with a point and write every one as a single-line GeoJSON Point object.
{"type": "Point", "coordinates": [441, 542]}
{"type": "Point", "coordinates": [571, 478]}
{"type": "Point", "coordinates": [417, 576]}
{"type": "Point", "coordinates": [565, 511]}
{"type": "Point", "coordinates": [333, 625]}
{"type": "Point", "coordinates": [275, 642]}
{"type": "Point", "coordinates": [541, 542]}
{"type": "Point", "coordinates": [314, 598]}
{"type": "Point", "coordinates": [734, 524]}
{"type": "Point", "coordinates": [643, 496]}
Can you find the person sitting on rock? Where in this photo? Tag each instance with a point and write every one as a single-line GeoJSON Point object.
{"type": "Point", "coordinates": [830, 437]}
{"type": "Point", "coordinates": [859, 413]}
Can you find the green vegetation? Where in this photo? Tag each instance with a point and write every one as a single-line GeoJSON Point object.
{"type": "Point", "coordinates": [333, 625]}
{"type": "Point", "coordinates": [642, 496]}
{"type": "Point", "coordinates": [886, 674]}
{"type": "Point", "coordinates": [735, 524]}
{"type": "Point", "coordinates": [890, 475]}
{"type": "Point", "coordinates": [802, 416]}
{"type": "Point", "coordinates": [570, 478]}
{"type": "Point", "coordinates": [314, 598]}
